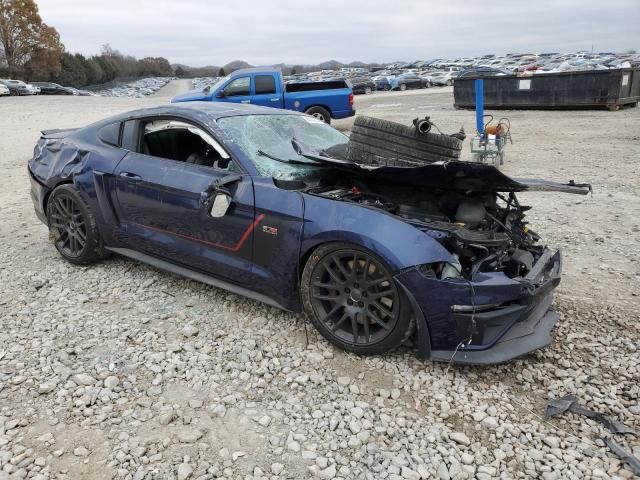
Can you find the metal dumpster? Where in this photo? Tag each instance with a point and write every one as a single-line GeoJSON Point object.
{"type": "Point", "coordinates": [570, 90]}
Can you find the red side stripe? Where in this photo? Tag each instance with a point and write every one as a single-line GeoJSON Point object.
{"type": "Point", "coordinates": [230, 248]}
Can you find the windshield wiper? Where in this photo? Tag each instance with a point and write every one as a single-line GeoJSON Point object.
{"type": "Point", "coordinates": [286, 160]}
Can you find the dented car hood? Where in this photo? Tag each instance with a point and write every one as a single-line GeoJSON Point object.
{"type": "Point", "coordinates": [455, 175]}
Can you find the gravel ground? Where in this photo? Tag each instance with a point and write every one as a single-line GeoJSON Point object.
{"type": "Point", "coordinates": [122, 371]}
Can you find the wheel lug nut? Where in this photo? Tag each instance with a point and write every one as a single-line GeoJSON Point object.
{"type": "Point", "coordinates": [355, 285]}
{"type": "Point", "coordinates": [364, 294]}
{"type": "Point", "coordinates": [347, 290]}
{"type": "Point", "coordinates": [350, 302]}
{"type": "Point", "coordinates": [361, 304]}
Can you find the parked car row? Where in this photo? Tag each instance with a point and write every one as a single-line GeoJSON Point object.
{"type": "Point", "coordinates": [18, 87]}
{"type": "Point", "coordinates": [440, 71]}
{"type": "Point", "coordinates": [138, 89]}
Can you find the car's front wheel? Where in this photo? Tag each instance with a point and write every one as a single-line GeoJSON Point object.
{"type": "Point", "coordinates": [72, 227]}
{"type": "Point", "coordinates": [350, 296]}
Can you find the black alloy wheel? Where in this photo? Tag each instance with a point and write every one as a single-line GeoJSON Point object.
{"type": "Point", "coordinates": [68, 225]}
{"type": "Point", "coordinates": [72, 227]}
{"type": "Point", "coordinates": [353, 300]}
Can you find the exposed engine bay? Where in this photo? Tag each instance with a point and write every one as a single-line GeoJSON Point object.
{"type": "Point", "coordinates": [485, 232]}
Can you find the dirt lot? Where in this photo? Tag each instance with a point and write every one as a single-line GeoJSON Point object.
{"type": "Point", "coordinates": [122, 371]}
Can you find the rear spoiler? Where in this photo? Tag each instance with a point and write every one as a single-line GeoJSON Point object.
{"type": "Point", "coordinates": [57, 132]}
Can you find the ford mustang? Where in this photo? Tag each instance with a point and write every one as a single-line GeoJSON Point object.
{"type": "Point", "coordinates": [267, 204]}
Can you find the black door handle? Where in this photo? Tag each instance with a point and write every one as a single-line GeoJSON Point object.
{"type": "Point", "coordinates": [130, 177]}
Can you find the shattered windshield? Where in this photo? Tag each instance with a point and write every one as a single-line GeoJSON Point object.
{"type": "Point", "coordinates": [266, 141]}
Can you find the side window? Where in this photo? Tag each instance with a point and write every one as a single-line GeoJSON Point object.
{"type": "Point", "coordinates": [265, 84]}
{"type": "Point", "coordinates": [182, 142]}
{"type": "Point", "coordinates": [110, 134]}
{"type": "Point", "coordinates": [239, 86]}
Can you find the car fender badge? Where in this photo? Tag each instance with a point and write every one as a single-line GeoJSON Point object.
{"type": "Point", "coordinates": [269, 230]}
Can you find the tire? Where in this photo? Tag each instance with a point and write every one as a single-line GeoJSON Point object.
{"type": "Point", "coordinates": [13, 93]}
{"type": "Point", "coordinates": [402, 87]}
{"type": "Point", "coordinates": [71, 223]}
{"type": "Point", "coordinates": [386, 88]}
{"type": "Point", "coordinates": [449, 82]}
{"type": "Point", "coordinates": [367, 91]}
{"type": "Point", "coordinates": [369, 320]}
{"type": "Point", "coordinates": [320, 113]}
{"type": "Point", "coordinates": [427, 84]}
{"type": "Point", "coordinates": [376, 141]}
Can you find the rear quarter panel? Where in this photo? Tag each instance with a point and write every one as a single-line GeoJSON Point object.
{"type": "Point", "coordinates": [79, 158]}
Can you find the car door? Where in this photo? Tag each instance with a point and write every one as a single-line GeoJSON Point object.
{"type": "Point", "coordinates": [237, 90]}
{"type": "Point", "coordinates": [163, 210]}
{"type": "Point", "coordinates": [415, 82]}
{"type": "Point", "coordinates": [266, 91]}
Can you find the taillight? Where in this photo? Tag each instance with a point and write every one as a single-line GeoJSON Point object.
{"type": "Point", "coordinates": [351, 99]}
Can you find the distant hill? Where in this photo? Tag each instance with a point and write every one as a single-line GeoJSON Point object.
{"type": "Point", "coordinates": [212, 71]}
{"type": "Point", "coordinates": [236, 65]}
{"type": "Point", "coordinates": [330, 65]}
{"type": "Point", "coordinates": [181, 70]}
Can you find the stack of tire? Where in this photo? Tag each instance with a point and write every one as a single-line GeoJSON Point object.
{"type": "Point", "coordinates": [374, 141]}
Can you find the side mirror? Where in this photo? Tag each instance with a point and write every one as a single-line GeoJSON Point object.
{"type": "Point", "coordinates": [206, 89]}
{"type": "Point", "coordinates": [221, 94]}
{"type": "Point", "coordinates": [220, 205]}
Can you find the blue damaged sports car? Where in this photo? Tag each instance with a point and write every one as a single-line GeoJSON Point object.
{"type": "Point", "coordinates": [267, 203]}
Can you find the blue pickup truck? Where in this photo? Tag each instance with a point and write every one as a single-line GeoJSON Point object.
{"type": "Point", "coordinates": [259, 86]}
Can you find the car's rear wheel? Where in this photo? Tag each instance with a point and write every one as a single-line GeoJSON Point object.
{"type": "Point", "coordinates": [319, 113]}
{"type": "Point", "coordinates": [72, 227]}
{"type": "Point", "coordinates": [352, 299]}
{"type": "Point", "coordinates": [402, 87]}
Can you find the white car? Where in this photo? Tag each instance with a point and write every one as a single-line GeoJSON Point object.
{"type": "Point", "coordinates": [33, 89]}
{"type": "Point", "coordinates": [4, 90]}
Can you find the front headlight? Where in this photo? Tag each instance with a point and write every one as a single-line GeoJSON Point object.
{"type": "Point", "coordinates": [443, 270]}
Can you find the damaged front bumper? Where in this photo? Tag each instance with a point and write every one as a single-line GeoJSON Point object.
{"type": "Point", "coordinates": [490, 319]}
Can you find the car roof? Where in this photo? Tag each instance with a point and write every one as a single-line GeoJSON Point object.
{"type": "Point", "coordinates": [205, 112]}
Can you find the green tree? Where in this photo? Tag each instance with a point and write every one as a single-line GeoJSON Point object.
{"type": "Point", "coordinates": [26, 40]}
{"type": "Point", "coordinates": [72, 73]}
{"type": "Point", "coordinates": [94, 71]}
{"type": "Point", "coordinates": [108, 68]}
{"type": "Point", "coordinates": [222, 73]}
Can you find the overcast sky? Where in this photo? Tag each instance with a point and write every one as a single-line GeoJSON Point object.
{"type": "Point", "coordinates": [214, 32]}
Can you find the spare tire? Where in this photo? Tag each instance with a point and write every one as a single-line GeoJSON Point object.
{"type": "Point", "coordinates": [375, 141]}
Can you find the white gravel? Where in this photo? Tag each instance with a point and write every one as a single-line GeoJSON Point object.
{"type": "Point", "coordinates": [122, 371]}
